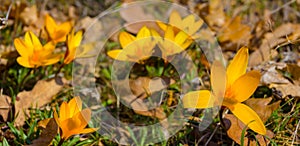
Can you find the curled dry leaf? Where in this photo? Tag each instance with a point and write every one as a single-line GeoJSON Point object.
{"type": "Point", "coordinates": [41, 94]}
{"type": "Point", "coordinates": [262, 108]}
{"type": "Point", "coordinates": [47, 135]}
{"type": "Point", "coordinates": [5, 106]}
{"type": "Point", "coordinates": [287, 89]}
{"type": "Point", "coordinates": [283, 35]}
{"type": "Point", "coordinates": [235, 133]}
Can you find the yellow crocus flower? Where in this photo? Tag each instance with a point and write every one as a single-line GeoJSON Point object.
{"type": "Point", "coordinates": [238, 86]}
{"type": "Point", "coordinates": [188, 24]}
{"type": "Point", "coordinates": [172, 42]}
{"type": "Point", "coordinates": [73, 41]}
{"type": "Point", "coordinates": [33, 54]}
{"type": "Point", "coordinates": [57, 33]}
{"type": "Point", "coordinates": [72, 119]}
{"type": "Point", "coordinates": [135, 49]}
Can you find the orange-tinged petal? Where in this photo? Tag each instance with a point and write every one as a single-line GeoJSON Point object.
{"type": "Point", "coordinates": [22, 48]}
{"type": "Point", "coordinates": [125, 39]}
{"type": "Point", "coordinates": [198, 99]}
{"type": "Point", "coordinates": [238, 66]}
{"type": "Point", "coordinates": [75, 105]}
{"type": "Point", "coordinates": [248, 117]}
{"type": "Point", "coordinates": [64, 111]}
{"type": "Point", "coordinates": [218, 79]}
{"type": "Point", "coordinates": [50, 46]}
{"type": "Point", "coordinates": [56, 118]}
{"type": "Point", "coordinates": [25, 62]}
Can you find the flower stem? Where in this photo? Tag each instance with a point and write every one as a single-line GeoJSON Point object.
{"type": "Point", "coordinates": [61, 142]}
{"type": "Point", "coordinates": [59, 69]}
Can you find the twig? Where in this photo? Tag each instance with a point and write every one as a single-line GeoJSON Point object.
{"type": "Point", "coordinates": [295, 133]}
{"type": "Point", "coordinates": [279, 8]}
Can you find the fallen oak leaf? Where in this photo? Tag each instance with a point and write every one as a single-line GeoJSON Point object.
{"type": "Point", "coordinates": [236, 128]}
{"type": "Point", "coordinates": [287, 89]}
{"type": "Point", "coordinates": [5, 106]}
{"type": "Point", "coordinates": [47, 134]}
{"type": "Point", "coordinates": [41, 94]}
{"type": "Point", "coordinates": [262, 108]}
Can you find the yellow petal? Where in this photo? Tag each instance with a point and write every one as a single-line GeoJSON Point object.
{"type": "Point", "coordinates": [180, 38]}
{"type": "Point", "coordinates": [248, 117]}
{"type": "Point", "coordinates": [53, 59]}
{"type": "Point", "coordinates": [245, 86]}
{"type": "Point", "coordinates": [194, 28]}
{"type": "Point", "coordinates": [25, 62]}
{"type": "Point", "coordinates": [50, 25]}
{"type": "Point", "coordinates": [88, 130]}
{"type": "Point", "coordinates": [238, 66]}
{"type": "Point", "coordinates": [125, 39]}
{"type": "Point", "coordinates": [162, 25]}
{"type": "Point", "coordinates": [198, 99]}
{"type": "Point", "coordinates": [218, 79]}
{"type": "Point", "coordinates": [144, 32]}
{"type": "Point", "coordinates": [22, 48]}
{"type": "Point", "coordinates": [64, 112]}
{"type": "Point", "coordinates": [75, 105]}
{"type": "Point", "coordinates": [175, 19]}
{"type": "Point", "coordinates": [189, 20]}
{"type": "Point", "coordinates": [56, 117]}
{"type": "Point", "coordinates": [35, 41]}
{"type": "Point", "coordinates": [118, 55]}
{"type": "Point", "coordinates": [169, 33]}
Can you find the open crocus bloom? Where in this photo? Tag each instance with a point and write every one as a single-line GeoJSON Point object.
{"type": "Point", "coordinates": [57, 33]}
{"type": "Point", "coordinates": [73, 41]}
{"type": "Point", "coordinates": [172, 42]}
{"type": "Point", "coordinates": [72, 119]}
{"type": "Point", "coordinates": [238, 86]}
{"type": "Point", "coordinates": [135, 49]}
{"type": "Point", "coordinates": [188, 24]}
{"type": "Point", "coordinates": [33, 54]}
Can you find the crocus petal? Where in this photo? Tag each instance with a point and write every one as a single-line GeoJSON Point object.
{"type": "Point", "coordinates": [35, 41]}
{"type": "Point", "coordinates": [143, 32]}
{"type": "Point", "coordinates": [118, 55]}
{"type": "Point", "coordinates": [238, 66]}
{"type": "Point", "coordinates": [88, 130]}
{"type": "Point", "coordinates": [245, 86]}
{"type": "Point", "coordinates": [218, 79]}
{"type": "Point", "coordinates": [193, 28]}
{"type": "Point", "coordinates": [53, 59]}
{"type": "Point", "coordinates": [162, 25]}
{"type": "Point", "coordinates": [190, 19]}
{"type": "Point", "coordinates": [22, 48]}
{"type": "Point", "coordinates": [75, 105]}
{"type": "Point", "coordinates": [56, 118]}
{"type": "Point", "coordinates": [64, 112]}
{"type": "Point", "coordinates": [50, 24]}
{"type": "Point", "coordinates": [248, 117]}
{"type": "Point", "coordinates": [125, 39]}
{"type": "Point", "coordinates": [175, 18]}
{"type": "Point", "coordinates": [169, 33]}
{"type": "Point", "coordinates": [198, 99]}
{"type": "Point", "coordinates": [181, 37]}
{"type": "Point", "coordinates": [24, 62]}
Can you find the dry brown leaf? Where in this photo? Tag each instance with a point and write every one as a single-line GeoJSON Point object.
{"type": "Point", "coordinates": [29, 15]}
{"type": "Point", "coordinates": [271, 74]}
{"type": "Point", "coordinates": [47, 134]}
{"type": "Point", "coordinates": [216, 16]}
{"type": "Point", "coordinates": [235, 32]}
{"type": "Point", "coordinates": [287, 89]}
{"type": "Point", "coordinates": [235, 132]}
{"type": "Point", "coordinates": [5, 106]}
{"type": "Point", "coordinates": [262, 108]}
{"type": "Point", "coordinates": [282, 35]}
{"type": "Point", "coordinates": [294, 70]}
{"type": "Point", "coordinates": [41, 94]}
